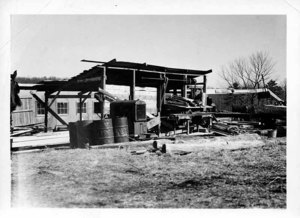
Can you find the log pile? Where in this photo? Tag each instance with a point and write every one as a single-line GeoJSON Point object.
{"type": "Point", "coordinates": [226, 129]}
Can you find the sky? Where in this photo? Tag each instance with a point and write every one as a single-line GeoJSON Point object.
{"type": "Point", "coordinates": [53, 45]}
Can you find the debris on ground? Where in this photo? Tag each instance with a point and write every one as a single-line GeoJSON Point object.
{"type": "Point", "coordinates": [156, 148]}
{"type": "Point", "coordinates": [226, 127]}
{"type": "Point", "coordinates": [180, 152]}
{"type": "Point", "coordinates": [138, 152]}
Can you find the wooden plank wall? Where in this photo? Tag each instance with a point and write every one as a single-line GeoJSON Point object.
{"type": "Point", "coordinates": [24, 115]}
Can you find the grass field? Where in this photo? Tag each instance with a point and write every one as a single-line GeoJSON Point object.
{"type": "Point", "coordinates": [253, 177]}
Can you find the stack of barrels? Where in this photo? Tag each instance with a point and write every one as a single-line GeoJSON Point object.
{"type": "Point", "coordinates": [98, 132]}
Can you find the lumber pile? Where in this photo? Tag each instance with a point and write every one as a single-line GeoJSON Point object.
{"type": "Point", "coordinates": [228, 127]}
{"type": "Point", "coordinates": [27, 130]}
{"type": "Point", "coordinates": [180, 101]}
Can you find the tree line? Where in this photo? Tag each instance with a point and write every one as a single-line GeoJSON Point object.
{"type": "Point", "coordinates": [37, 79]}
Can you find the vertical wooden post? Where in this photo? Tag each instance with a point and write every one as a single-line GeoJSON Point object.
{"type": "Point", "coordinates": [204, 83]}
{"type": "Point", "coordinates": [46, 112]}
{"type": "Point", "coordinates": [158, 97]}
{"type": "Point", "coordinates": [158, 104]}
{"type": "Point", "coordinates": [175, 91]}
{"type": "Point", "coordinates": [204, 92]}
{"type": "Point", "coordinates": [80, 108]}
{"type": "Point", "coordinates": [164, 89]}
{"type": "Point", "coordinates": [161, 90]}
{"type": "Point", "coordinates": [188, 127]}
{"type": "Point", "coordinates": [183, 89]}
{"type": "Point", "coordinates": [102, 86]}
{"type": "Point", "coordinates": [132, 87]}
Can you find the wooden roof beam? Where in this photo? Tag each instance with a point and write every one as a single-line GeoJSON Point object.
{"type": "Point", "coordinates": [153, 71]}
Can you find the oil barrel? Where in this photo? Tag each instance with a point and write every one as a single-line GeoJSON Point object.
{"type": "Point", "coordinates": [120, 125]}
{"type": "Point", "coordinates": [83, 133]}
{"type": "Point", "coordinates": [272, 133]}
{"type": "Point", "coordinates": [102, 132]}
{"type": "Point", "coordinates": [73, 134]}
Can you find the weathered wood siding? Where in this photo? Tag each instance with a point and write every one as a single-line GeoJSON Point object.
{"type": "Point", "coordinates": [25, 114]}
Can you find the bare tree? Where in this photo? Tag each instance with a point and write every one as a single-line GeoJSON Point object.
{"type": "Point", "coordinates": [249, 72]}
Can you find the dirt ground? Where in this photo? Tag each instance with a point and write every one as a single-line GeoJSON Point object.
{"type": "Point", "coordinates": [222, 176]}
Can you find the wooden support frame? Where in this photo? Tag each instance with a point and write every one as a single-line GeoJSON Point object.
{"type": "Point", "coordinates": [54, 98]}
{"type": "Point", "coordinates": [161, 79]}
{"type": "Point", "coordinates": [85, 96]}
{"type": "Point", "coordinates": [204, 101]}
{"type": "Point", "coordinates": [132, 86]}
{"type": "Point", "coordinates": [71, 96]}
{"type": "Point", "coordinates": [175, 91]}
{"type": "Point", "coordinates": [164, 89]}
{"type": "Point", "coordinates": [80, 108]}
{"type": "Point", "coordinates": [106, 95]}
{"type": "Point", "coordinates": [158, 104]}
{"type": "Point", "coordinates": [48, 109]}
{"type": "Point", "coordinates": [158, 72]}
{"type": "Point", "coordinates": [102, 86]}
{"type": "Point", "coordinates": [204, 83]}
{"type": "Point", "coordinates": [158, 97]}
{"type": "Point", "coordinates": [82, 99]}
{"type": "Point", "coordinates": [161, 91]}
{"type": "Point", "coordinates": [184, 89]}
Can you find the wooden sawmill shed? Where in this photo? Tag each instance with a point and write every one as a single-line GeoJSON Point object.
{"type": "Point", "coordinates": [96, 79]}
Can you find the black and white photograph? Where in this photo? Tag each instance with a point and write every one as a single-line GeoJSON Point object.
{"type": "Point", "coordinates": [150, 110]}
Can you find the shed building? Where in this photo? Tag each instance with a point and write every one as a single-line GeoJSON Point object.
{"type": "Point", "coordinates": [51, 94]}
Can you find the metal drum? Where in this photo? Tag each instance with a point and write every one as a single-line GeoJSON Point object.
{"type": "Point", "coordinates": [73, 134]}
{"type": "Point", "coordinates": [83, 133]}
{"type": "Point", "coordinates": [272, 133]}
{"type": "Point", "coordinates": [102, 132]}
{"type": "Point", "coordinates": [120, 129]}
